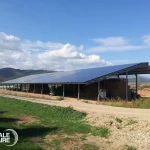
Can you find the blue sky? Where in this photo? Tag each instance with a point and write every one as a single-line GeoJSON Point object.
{"type": "Point", "coordinates": [115, 31]}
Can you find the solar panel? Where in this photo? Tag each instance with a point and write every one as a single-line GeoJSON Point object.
{"type": "Point", "coordinates": [77, 76]}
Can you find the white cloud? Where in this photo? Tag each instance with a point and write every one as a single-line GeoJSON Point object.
{"type": "Point", "coordinates": [113, 44]}
{"type": "Point", "coordinates": [111, 41]}
{"type": "Point", "coordinates": [39, 45]}
{"type": "Point", "coordinates": [69, 57]}
{"type": "Point", "coordinates": [114, 48]}
{"type": "Point", "coordinates": [9, 42]}
{"type": "Point", "coordinates": [18, 53]}
{"type": "Point", "coordinates": [146, 39]}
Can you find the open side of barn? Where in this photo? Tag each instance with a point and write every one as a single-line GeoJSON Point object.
{"type": "Point", "coordinates": [92, 83]}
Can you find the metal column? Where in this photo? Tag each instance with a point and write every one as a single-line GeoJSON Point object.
{"type": "Point", "coordinates": [136, 84]}
{"type": "Point", "coordinates": [126, 85]}
{"type": "Point", "coordinates": [42, 89]}
{"type": "Point", "coordinates": [22, 87]}
{"type": "Point", "coordinates": [17, 88]}
{"type": "Point", "coordinates": [78, 91]}
{"type": "Point", "coordinates": [26, 87]}
{"type": "Point", "coordinates": [118, 76]}
{"type": "Point", "coordinates": [34, 89]}
{"type": "Point", "coordinates": [98, 91]}
{"type": "Point", "coordinates": [63, 90]}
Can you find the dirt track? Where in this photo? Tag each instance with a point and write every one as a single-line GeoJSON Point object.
{"type": "Point", "coordinates": [143, 114]}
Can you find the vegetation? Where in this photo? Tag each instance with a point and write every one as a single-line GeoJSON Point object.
{"type": "Point", "coordinates": [139, 103]}
{"type": "Point", "coordinates": [144, 86]}
{"type": "Point", "coordinates": [130, 147]}
{"type": "Point", "coordinates": [130, 122]}
{"type": "Point", "coordinates": [101, 131]}
{"type": "Point", "coordinates": [85, 101]}
{"type": "Point", "coordinates": [60, 98]}
{"type": "Point", "coordinates": [89, 147]}
{"type": "Point", "coordinates": [34, 122]}
{"type": "Point", "coordinates": [119, 120]}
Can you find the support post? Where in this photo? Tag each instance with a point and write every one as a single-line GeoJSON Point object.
{"type": "Point", "coordinates": [78, 91]}
{"type": "Point", "coordinates": [63, 90]}
{"type": "Point", "coordinates": [22, 88]}
{"type": "Point", "coordinates": [34, 89]}
{"type": "Point", "coordinates": [42, 89]}
{"type": "Point", "coordinates": [27, 88]}
{"type": "Point", "coordinates": [126, 85]}
{"type": "Point", "coordinates": [136, 84]}
{"type": "Point", "coordinates": [118, 76]}
{"type": "Point", "coordinates": [17, 87]}
{"type": "Point", "coordinates": [98, 98]}
{"type": "Point", "coordinates": [28, 85]}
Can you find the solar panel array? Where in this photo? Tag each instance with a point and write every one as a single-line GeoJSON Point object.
{"type": "Point", "coordinates": [77, 76]}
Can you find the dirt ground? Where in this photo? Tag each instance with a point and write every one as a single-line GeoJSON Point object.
{"type": "Point", "coordinates": [128, 126]}
{"type": "Point", "coordinates": [144, 92]}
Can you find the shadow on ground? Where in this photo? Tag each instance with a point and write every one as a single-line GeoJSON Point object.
{"type": "Point", "coordinates": [6, 119]}
{"type": "Point", "coordinates": [2, 112]}
{"type": "Point", "coordinates": [24, 131]}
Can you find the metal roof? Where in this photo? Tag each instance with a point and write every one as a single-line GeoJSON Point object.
{"type": "Point", "coordinates": [84, 76]}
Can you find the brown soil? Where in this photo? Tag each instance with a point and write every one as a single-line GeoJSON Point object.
{"type": "Point", "coordinates": [36, 140]}
{"type": "Point", "coordinates": [129, 131]}
{"type": "Point", "coordinates": [144, 93]}
{"type": "Point", "coordinates": [144, 90]}
{"type": "Point", "coordinates": [27, 120]}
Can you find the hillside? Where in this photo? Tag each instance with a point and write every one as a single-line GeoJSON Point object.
{"type": "Point", "coordinates": [141, 80]}
{"type": "Point", "coordinates": [11, 73]}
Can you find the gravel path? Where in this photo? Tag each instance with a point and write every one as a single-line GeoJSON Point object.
{"type": "Point", "coordinates": [92, 108]}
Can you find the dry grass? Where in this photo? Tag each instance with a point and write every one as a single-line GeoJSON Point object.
{"type": "Point", "coordinates": [27, 120]}
{"type": "Point", "coordinates": [144, 86]}
{"type": "Point", "coordinates": [30, 95]}
{"type": "Point", "coordinates": [144, 90]}
{"type": "Point", "coordinates": [138, 103]}
{"type": "Point", "coordinates": [25, 94]}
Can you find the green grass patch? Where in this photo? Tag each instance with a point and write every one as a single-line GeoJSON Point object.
{"type": "Point", "coordinates": [101, 131]}
{"type": "Point", "coordinates": [130, 147]}
{"type": "Point", "coordinates": [60, 98]}
{"type": "Point", "coordinates": [52, 120]}
{"type": "Point", "coordinates": [89, 147]}
{"type": "Point", "coordinates": [118, 120]}
{"type": "Point", "coordinates": [130, 122]}
{"type": "Point", "coordinates": [83, 138]}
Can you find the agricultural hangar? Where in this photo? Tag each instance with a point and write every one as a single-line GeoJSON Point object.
{"type": "Point", "coordinates": [92, 83]}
